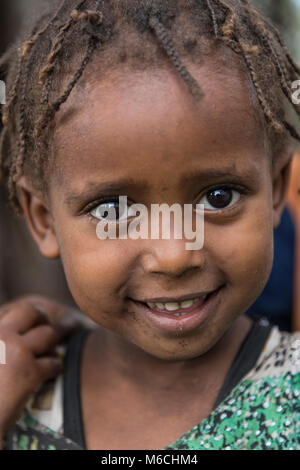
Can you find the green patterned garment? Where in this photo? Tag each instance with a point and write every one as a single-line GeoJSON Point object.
{"type": "Point", "coordinates": [261, 412]}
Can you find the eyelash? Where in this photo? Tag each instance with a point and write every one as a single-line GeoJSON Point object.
{"type": "Point", "coordinates": [241, 189]}
{"type": "Point", "coordinates": [234, 187]}
{"type": "Point", "coordinates": [91, 206]}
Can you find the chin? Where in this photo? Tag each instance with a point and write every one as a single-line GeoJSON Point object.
{"type": "Point", "coordinates": [178, 350]}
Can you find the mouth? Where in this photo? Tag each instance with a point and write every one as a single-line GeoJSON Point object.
{"type": "Point", "coordinates": [182, 315]}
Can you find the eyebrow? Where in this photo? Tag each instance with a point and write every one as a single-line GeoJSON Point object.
{"type": "Point", "coordinates": [95, 188]}
{"type": "Point", "coordinates": [230, 172]}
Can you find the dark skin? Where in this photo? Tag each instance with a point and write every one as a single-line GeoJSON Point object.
{"type": "Point", "coordinates": [31, 327]}
{"type": "Point", "coordinates": [136, 379]}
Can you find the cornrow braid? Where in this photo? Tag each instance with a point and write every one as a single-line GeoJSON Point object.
{"type": "Point", "coordinates": [12, 95]}
{"type": "Point", "coordinates": [170, 50]}
{"type": "Point", "coordinates": [93, 16]}
{"type": "Point", "coordinates": [56, 106]}
{"type": "Point", "coordinates": [72, 31]}
{"type": "Point", "coordinates": [57, 46]}
{"type": "Point", "coordinates": [46, 72]}
{"type": "Point", "coordinates": [96, 18]}
{"type": "Point", "coordinates": [228, 29]}
{"type": "Point", "coordinates": [281, 68]}
{"type": "Point", "coordinates": [213, 17]}
{"type": "Point", "coordinates": [30, 42]}
{"type": "Point", "coordinates": [276, 125]}
{"type": "Point", "coordinates": [283, 45]}
{"type": "Point", "coordinates": [21, 55]}
{"type": "Point", "coordinates": [16, 167]}
{"type": "Point", "coordinates": [246, 50]}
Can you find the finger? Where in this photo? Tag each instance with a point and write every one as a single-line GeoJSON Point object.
{"type": "Point", "coordinates": [68, 319]}
{"type": "Point", "coordinates": [69, 322]}
{"type": "Point", "coordinates": [51, 308]}
{"type": "Point", "coordinates": [8, 307]}
{"type": "Point", "coordinates": [13, 304]}
{"type": "Point", "coordinates": [41, 340]}
{"type": "Point", "coordinates": [35, 301]}
{"type": "Point", "coordinates": [4, 310]}
{"type": "Point", "coordinates": [49, 367]}
{"type": "Point", "coordinates": [23, 316]}
{"type": "Point", "coordinates": [64, 318]}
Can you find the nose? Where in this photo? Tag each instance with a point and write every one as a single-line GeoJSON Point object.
{"type": "Point", "coordinates": [170, 257]}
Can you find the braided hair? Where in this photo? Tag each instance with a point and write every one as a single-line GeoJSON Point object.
{"type": "Point", "coordinates": [142, 33]}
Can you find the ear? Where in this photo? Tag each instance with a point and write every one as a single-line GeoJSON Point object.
{"type": "Point", "coordinates": [39, 219]}
{"type": "Point", "coordinates": [281, 180]}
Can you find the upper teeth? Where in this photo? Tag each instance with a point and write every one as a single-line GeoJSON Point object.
{"type": "Point", "coordinates": [173, 305]}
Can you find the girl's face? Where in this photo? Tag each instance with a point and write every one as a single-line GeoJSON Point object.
{"type": "Point", "coordinates": [141, 134]}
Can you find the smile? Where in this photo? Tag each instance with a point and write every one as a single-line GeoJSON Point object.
{"type": "Point", "coordinates": [177, 308]}
{"type": "Point", "coordinates": [182, 316]}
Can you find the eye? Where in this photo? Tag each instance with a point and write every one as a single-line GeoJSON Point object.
{"type": "Point", "coordinates": [112, 211]}
{"type": "Point", "coordinates": [220, 198]}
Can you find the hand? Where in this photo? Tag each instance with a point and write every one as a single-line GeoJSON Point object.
{"type": "Point", "coordinates": [30, 329]}
{"type": "Point", "coordinates": [66, 320]}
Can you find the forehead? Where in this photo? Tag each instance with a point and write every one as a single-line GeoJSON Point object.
{"type": "Point", "coordinates": [148, 116]}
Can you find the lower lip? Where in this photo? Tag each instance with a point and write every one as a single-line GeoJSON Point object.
{"type": "Point", "coordinates": [184, 324]}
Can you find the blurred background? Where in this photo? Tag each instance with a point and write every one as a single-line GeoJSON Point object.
{"type": "Point", "coordinates": [285, 14]}
{"type": "Point", "coordinates": [23, 270]}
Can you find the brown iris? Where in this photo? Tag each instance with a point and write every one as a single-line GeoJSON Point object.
{"type": "Point", "coordinates": [219, 198]}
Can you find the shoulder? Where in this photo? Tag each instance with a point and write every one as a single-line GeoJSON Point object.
{"type": "Point", "coordinates": [41, 425]}
{"type": "Point", "coordinates": [262, 411]}
{"type": "Point", "coordinates": [280, 355]}
{"type": "Point", "coordinates": [42, 419]}
{"type": "Point", "coordinates": [273, 384]}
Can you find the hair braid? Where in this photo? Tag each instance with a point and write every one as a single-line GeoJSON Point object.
{"type": "Point", "coordinates": [12, 94]}
{"type": "Point", "coordinates": [31, 72]}
{"type": "Point", "coordinates": [57, 104]}
{"type": "Point", "coordinates": [57, 46]}
{"type": "Point", "coordinates": [276, 125]}
{"type": "Point", "coordinates": [213, 17]}
{"type": "Point", "coordinates": [290, 59]}
{"type": "Point", "coordinates": [17, 165]}
{"type": "Point", "coordinates": [96, 18]}
{"type": "Point", "coordinates": [281, 68]}
{"type": "Point", "coordinates": [228, 29]}
{"type": "Point", "coordinates": [170, 50]}
{"type": "Point", "coordinates": [30, 42]}
{"type": "Point", "coordinates": [53, 108]}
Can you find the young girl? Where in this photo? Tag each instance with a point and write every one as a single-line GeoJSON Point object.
{"type": "Point", "coordinates": [163, 102]}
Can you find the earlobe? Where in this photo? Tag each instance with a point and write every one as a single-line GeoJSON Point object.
{"type": "Point", "coordinates": [281, 179]}
{"type": "Point", "coordinates": [38, 219]}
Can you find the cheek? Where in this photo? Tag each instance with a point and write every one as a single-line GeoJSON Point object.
{"type": "Point", "coordinates": [96, 271]}
{"type": "Point", "coordinates": [243, 250]}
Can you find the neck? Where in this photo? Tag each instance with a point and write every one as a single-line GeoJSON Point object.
{"type": "Point", "coordinates": [127, 362]}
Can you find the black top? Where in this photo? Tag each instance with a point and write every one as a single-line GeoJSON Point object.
{"type": "Point", "coordinates": [243, 362]}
